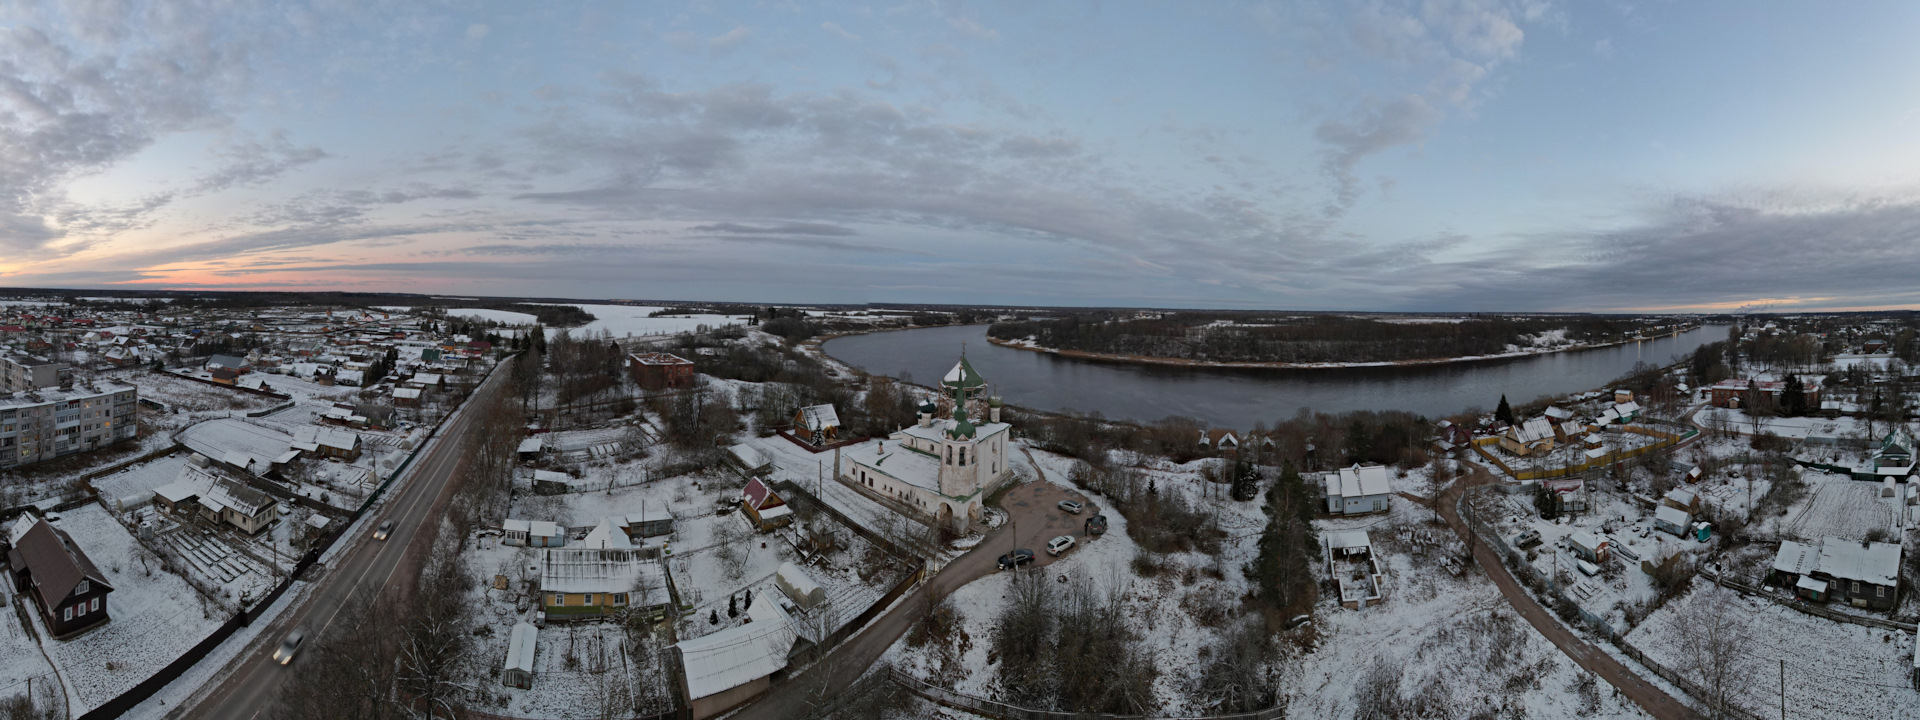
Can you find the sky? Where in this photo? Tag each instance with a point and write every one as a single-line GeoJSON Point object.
{"type": "Point", "coordinates": [1439, 155]}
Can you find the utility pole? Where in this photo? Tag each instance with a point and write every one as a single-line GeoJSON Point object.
{"type": "Point", "coordinates": [1783, 689]}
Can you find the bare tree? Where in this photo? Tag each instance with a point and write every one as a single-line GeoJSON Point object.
{"type": "Point", "coordinates": [1715, 641]}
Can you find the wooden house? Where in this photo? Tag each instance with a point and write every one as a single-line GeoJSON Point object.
{"type": "Point", "coordinates": [817, 424]}
{"type": "Point", "coordinates": [763, 506]}
{"type": "Point", "coordinates": [46, 565]}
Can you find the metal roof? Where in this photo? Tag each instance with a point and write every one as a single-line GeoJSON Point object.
{"type": "Point", "coordinates": [739, 655]}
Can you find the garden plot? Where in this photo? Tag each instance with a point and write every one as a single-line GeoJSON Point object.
{"type": "Point", "coordinates": [1796, 428]}
{"type": "Point", "coordinates": [1837, 506]}
{"type": "Point", "coordinates": [215, 562]}
{"type": "Point", "coordinates": [1833, 669]}
{"type": "Point", "coordinates": [156, 615]}
{"type": "Point", "coordinates": [193, 396]}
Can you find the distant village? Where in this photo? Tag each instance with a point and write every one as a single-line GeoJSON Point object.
{"type": "Point", "coordinates": [701, 516]}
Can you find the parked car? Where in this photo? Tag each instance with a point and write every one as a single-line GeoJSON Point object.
{"type": "Point", "coordinates": [1527, 538]}
{"type": "Point", "coordinates": [1016, 558]}
{"type": "Point", "coordinates": [1072, 506]}
{"type": "Point", "coordinates": [385, 530]}
{"type": "Point", "coordinates": [1059, 545]}
{"type": "Point", "coordinates": [289, 645]}
{"type": "Point", "coordinates": [1097, 525]}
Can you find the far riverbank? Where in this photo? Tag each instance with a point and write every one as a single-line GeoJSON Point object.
{"type": "Point", "coordinates": [1184, 362]}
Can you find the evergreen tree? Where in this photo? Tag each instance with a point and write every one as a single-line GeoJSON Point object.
{"type": "Point", "coordinates": [714, 618]}
{"type": "Point", "coordinates": [1246, 480]}
{"type": "Point", "coordinates": [733, 606]}
{"type": "Point", "coordinates": [1793, 398]}
{"type": "Point", "coordinates": [1503, 413]}
{"type": "Point", "coordinates": [1546, 501]}
{"type": "Point", "coordinates": [1282, 572]}
{"type": "Point", "coordinates": [1359, 442]}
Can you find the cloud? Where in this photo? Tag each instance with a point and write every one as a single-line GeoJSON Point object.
{"type": "Point", "coordinates": [730, 39]}
{"type": "Point", "coordinates": [477, 31]}
{"type": "Point", "coordinates": [252, 163]}
{"type": "Point", "coordinates": [787, 228]}
{"type": "Point", "coordinates": [835, 28]}
{"type": "Point", "coordinates": [972, 28]}
{"type": "Point", "coordinates": [1379, 125]}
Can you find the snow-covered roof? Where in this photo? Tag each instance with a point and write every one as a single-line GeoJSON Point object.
{"type": "Point", "coordinates": [528, 445]}
{"type": "Point", "coordinates": [1348, 539]}
{"type": "Point", "coordinates": [748, 455]}
{"type": "Point", "coordinates": [1596, 453]}
{"type": "Point", "coordinates": [1808, 583]}
{"type": "Point", "coordinates": [1872, 562]}
{"type": "Point", "coordinates": [594, 570]}
{"type": "Point", "coordinates": [326, 437]}
{"type": "Point", "coordinates": [543, 528]}
{"type": "Point", "coordinates": [1672, 515]}
{"type": "Point", "coordinates": [217, 438]}
{"type": "Point", "coordinates": [406, 393]}
{"type": "Point", "coordinates": [1557, 413]}
{"type": "Point", "coordinates": [1534, 429]}
{"type": "Point", "coordinates": [819, 417]}
{"type": "Point", "coordinates": [317, 521]}
{"type": "Point", "coordinates": [1587, 540]}
{"type": "Point", "coordinates": [736, 656]}
{"type": "Point", "coordinates": [1682, 496]}
{"type": "Point", "coordinates": [1364, 481]}
{"type": "Point", "coordinates": [520, 647]}
{"type": "Point", "coordinates": [894, 460]}
{"type": "Point", "coordinates": [606, 536]}
{"type": "Point", "coordinates": [512, 525]}
{"type": "Point", "coordinates": [799, 586]}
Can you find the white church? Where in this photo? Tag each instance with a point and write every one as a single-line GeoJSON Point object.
{"type": "Point", "coordinates": [942, 467]}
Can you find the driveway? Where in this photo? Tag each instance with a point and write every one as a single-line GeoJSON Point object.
{"type": "Point", "coordinates": [1033, 519]}
{"type": "Point", "coordinates": [1648, 696]}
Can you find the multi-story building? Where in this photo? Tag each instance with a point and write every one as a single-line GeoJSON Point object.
{"type": "Point", "coordinates": [46, 424]}
{"type": "Point", "coordinates": [659, 371]}
{"type": "Point", "coordinates": [20, 373]}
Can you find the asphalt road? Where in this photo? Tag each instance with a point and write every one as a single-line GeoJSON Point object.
{"type": "Point", "coordinates": [1034, 519]}
{"type": "Point", "coordinates": [253, 679]}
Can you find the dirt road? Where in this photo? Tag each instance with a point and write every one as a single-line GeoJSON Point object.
{"type": "Point", "coordinates": [1033, 519]}
{"type": "Point", "coordinates": [1648, 696]}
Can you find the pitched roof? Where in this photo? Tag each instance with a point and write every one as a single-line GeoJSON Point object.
{"type": "Point", "coordinates": [738, 655]}
{"type": "Point", "coordinates": [819, 417]}
{"type": "Point", "coordinates": [759, 496]}
{"type": "Point", "coordinates": [1877, 563]}
{"type": "Point", "coordinates": [54, 562]}
{"type": "Point", "coordinates": [1796, 558]}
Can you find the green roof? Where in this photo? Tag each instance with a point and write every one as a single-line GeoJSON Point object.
{"type": "Point", "coordinates": [963, 376]}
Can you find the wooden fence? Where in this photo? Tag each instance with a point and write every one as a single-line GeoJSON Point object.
{"type": "Point", "coordinates": [1666, 440]}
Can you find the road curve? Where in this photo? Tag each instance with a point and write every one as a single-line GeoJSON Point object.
{"type": "Point", "coordinates": [253, 680]}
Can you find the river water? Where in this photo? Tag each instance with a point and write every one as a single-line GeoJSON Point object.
{"type": "Point", "coordinates": [1239, 397]}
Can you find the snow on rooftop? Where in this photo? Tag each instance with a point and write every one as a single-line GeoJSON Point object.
{"type": "Point", "coordinates": [1872, 562]}
{"type": "Point", "coordinates": [739, 655]}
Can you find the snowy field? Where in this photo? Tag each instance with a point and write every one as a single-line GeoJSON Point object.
{"type": "Point", "coordinates": [191, 396]}
{"type": "Point", "coordinates": [1796, 428]}
{"type": "Point", "coordinates": [155, 616]}
{"type": "Point", "coordinates": [1837, 506]}
{"type": "Point", "coordinates": [500, 316]}
{"type": "Point", "coordinates": [625, 320]}
{"type": "Point", "coordinates": [1833, 670]}
{"type": "Point", "coordinates": [20, 656]}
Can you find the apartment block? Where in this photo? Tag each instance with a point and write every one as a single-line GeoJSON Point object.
{"type": "Point", "coordinates": [20, 373]}
{"type": "Point", "coordinates": [46, 424]}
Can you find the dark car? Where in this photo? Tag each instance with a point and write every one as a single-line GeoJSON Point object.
{"type": "Point", "coordinates": [1097, 525]}
{"type": "Point", "coordinates": [1017, 557]}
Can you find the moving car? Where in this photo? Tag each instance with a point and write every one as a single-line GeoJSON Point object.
{"type": "Point", "coordinates": [1018, 557]}
{"type": "Point", "coordinates": [1097, 525]}
{"type": "Point", "coordinates": [1072, 506]}
{"type": "Point", "coordinates": [385, 529]}
{"type": "Point", "coordinates": [1059, 545]}
{"type": "Point", "coordinates": [289, 646]}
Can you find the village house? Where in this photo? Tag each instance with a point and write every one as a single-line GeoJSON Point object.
{"type": "Point", "coordinates": [721, 670]}
{"type": "Point", "coordinates": [660, 371]}
{"type": "Point", "coordinates": [940, 469]}
{"type": "Point", "coordinates": [1570, 492]}
{"type": "Point", "coordinates": [69, 591]}
{"type": "Point", "coordinates": [1357, 490]}
{"type": "Point", "coordinates": [202, 489]}
{"type": "Point", "coordinates": [577, 582]}
{"type": "Point", "coordinates": [238, 365]}
{"type": "Point", "coordinates": [1735, 392]}
{"type": "Point", "coordinates": [1590, 547]}
{"type": "Point", "coordinates": [327, 442]}
{"type": "Point", "coordinates": [1533, 437]}
{"type": "Point", "coordinates": [763, 506]}
{"type": "Point", "coordinates": [817, 424]}
{"type": "Point", "coordinates": [532, 533]}
{"type": "Point", "coordinates": [1861, 573]}
{"type": "Point", "coordinates": [1670, 519]}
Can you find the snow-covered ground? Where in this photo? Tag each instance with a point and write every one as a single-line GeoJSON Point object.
{"type": "Point", "coordinates": [156, 615]}
{"type": "Point", "coordinates": [500, 316]}
{"type": "Point", "coordinates": [625, 320]}
{"type": "Point", "coordinates": [20, 656]}
{"type": "Point", "coordinates": [1837, 506]}
{"type": "Point", "coordinates": [1796, 428]}
{"type": "Point", "coordinates": [1833, 669]}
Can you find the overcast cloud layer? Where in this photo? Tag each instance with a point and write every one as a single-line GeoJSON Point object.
{"type": "Point", "coordinates": [1431, 155]}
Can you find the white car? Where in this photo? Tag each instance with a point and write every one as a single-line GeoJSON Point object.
{"type": "Point", "coordinates": [1059, 545]}
{"type": "Point", "coordinates": [289, 646]}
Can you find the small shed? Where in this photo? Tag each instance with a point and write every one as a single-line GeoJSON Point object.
{"type": "Point", "coordinates": [519, 669]}
{"type": "Point", "coordinates": [1670, 519]}
{"type": "Point", "coordinates": [531, 447]}
{"type": "Point", "coordinates": [749, 460]}
{"type": "Point", "coordinates": [653, 520]}
{"type": "Point", "coordinates": [797, 585]}
{"type": "Point", "coordinates": [1590, 547]}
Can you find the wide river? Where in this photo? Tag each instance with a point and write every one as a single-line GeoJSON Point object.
{"type": "Point", "coordinates": [1239, 397]}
